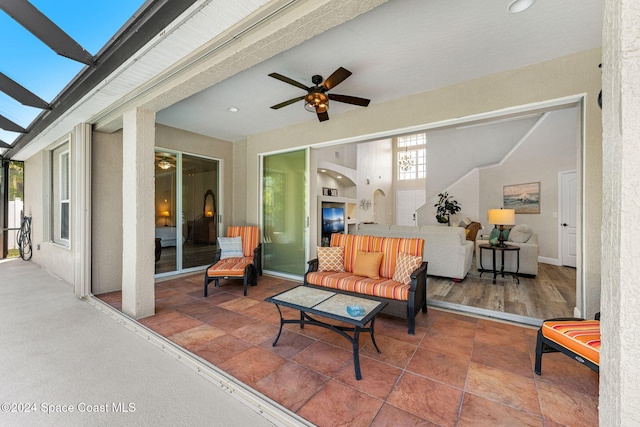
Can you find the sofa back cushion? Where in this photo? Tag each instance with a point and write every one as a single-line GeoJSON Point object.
{"type": "Point", "coordinates": [250, 235]}
{"type": "Point", "coordinates": [389, 246]}
{"type": "Point", "coordinates": [352, 244]}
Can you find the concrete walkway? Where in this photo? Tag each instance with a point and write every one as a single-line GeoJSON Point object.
{"type": "Point", "coordinates": [63, 362]}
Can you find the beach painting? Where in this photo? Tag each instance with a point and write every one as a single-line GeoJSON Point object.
{"type": "Point", "coordinates": [523, 198]}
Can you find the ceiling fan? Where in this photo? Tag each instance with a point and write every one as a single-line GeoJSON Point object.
{"type": "Point", "coordinates": [163, 163]}
{"type": "Point", "coordinates": [317, 99]}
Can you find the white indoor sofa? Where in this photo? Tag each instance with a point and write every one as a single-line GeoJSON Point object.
{"type": "Point", "coordinates": [446, 249]}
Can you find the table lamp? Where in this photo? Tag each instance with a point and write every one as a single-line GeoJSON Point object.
{"type": "Point", "coordinates": [501, 217]}
{"type": "Point", "coordinates": [166, 215]}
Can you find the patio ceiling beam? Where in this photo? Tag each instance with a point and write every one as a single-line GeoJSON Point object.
{"type": "Point", "coordinates": [21, 94]}
{"type": "Point", "coordinates": [38, 24]}
{"type": "Point", "coordinates": [4, 144]}
{"type": "Point", "coordinates": [152, 18]}
{"type": "Point", "coordinates": [7, 124]}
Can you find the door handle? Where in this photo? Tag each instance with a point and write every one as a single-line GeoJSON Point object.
{"type": "Point", "coordinates": [564, 224]}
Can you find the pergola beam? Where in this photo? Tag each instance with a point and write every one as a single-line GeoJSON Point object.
{"type": "Point", "coordinates": [38, 24]}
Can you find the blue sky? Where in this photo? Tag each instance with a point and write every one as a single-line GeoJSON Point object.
{"type": "Point", "coordinates": [28, 61]}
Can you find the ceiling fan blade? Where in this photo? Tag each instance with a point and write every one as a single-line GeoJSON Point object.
{"type": "Point", "coordinates": [288, 80]}
{"type": "Point", "coordinates": [336, 78]}
{"type": "Point", "coordinates": [363, 102]}
{"type": "Point", "coordinates": [323, 116]}
{"type": "Point", "coordinates": [285, 103]}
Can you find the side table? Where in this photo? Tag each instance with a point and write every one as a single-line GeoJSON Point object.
{"type": "Point", "coordinates": [502, 250]}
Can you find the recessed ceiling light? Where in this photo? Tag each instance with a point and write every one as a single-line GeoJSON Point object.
{"type": "Point", "coordinates": [233, 109]}
{"type": "Point", "coordinates": [518, 6]}
{"type": "Point", "coordinates": [323, 170]}
{"type": "Point", "coordinates": [339, 177]}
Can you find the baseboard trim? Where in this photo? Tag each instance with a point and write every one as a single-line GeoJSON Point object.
{"type": "Point", "coordinates": [483, 312]}
{"type": "Point", "coordinates": [552, 261]}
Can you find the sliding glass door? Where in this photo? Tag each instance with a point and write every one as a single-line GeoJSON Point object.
{"type": "Point", "coordinates": [285, 212]}
{"type": "Point", "coordinates": [200, 210]}
{"type": "Point", "coordinates": [187, 211]}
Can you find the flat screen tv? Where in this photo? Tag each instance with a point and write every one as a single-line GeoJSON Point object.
{"type": "Point", "coordinates": [332, 220]}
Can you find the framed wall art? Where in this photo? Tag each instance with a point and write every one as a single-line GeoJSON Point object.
{"type": "Point", "coordinates": [523, 198]}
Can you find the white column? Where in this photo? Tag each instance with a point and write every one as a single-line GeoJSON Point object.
{"type": "Point", "coordinates": [620, 304]}
{"type": "Point", "coordinates": [138, 219]}
{"type": "Point", "coordinates": [81, 205]}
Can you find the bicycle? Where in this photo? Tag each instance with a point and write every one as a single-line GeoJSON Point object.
{"type": "Point", "coordinates": [24, 239]}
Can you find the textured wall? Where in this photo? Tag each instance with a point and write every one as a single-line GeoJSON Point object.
{"type": "Point", "coordinates": [620, 353]}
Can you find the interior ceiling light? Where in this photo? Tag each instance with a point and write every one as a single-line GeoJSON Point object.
{"type": "Point", "coordinates": [164, 164]}
{"type": "Point", "coordinates": [316, 102]}
{"type": "Point", "coordinates": [233, 109]}
{"type": "Point", "coordinates": [518, 6]}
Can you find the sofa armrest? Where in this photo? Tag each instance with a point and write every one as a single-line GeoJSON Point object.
{"type": "Point", "coordinates": [419, 275]}
{"type": "Point", "coordinates": [313, 266]}
{"type": "Point", "coordinates": [216, 258]}
{"type": "Point", "coordinates": [257, 258]}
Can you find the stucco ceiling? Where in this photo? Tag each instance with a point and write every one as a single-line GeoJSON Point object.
{"type": "Point", "coordinates": [400, 48]}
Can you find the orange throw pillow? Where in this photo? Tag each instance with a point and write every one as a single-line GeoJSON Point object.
{"type": "Point", "coordinates": [368, 264]}
{"type": "Point", "coordinates": [405, 265]}
{"type": "Point", "coordinates": [331, 258]}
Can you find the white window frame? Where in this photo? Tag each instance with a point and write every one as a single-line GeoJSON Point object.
{"type": "Point", "coordinates": [418, 153]}
{"type": "Point", "coordinates": [61, 199]}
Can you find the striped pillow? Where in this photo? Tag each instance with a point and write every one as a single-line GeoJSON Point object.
{"type": "Point", "coordinates": [405, 265]}
{"type": "Point", "coordinates": [231, 247]}
{"type": "Point", "coordinates": [331, 259]}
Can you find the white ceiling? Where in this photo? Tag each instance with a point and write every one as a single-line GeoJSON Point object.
{"type": "Point", "coordinates": [400, 48]}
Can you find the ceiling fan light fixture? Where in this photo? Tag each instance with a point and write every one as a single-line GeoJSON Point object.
{"type": "Point", "coordinates": [164, 164]}
{"type": "Point", "coordinates": [316, 102]}
{"type": "Point", "coordinates": [518, 6]}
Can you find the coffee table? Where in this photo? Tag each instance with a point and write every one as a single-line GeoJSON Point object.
{"type": "Point", "coordinates": [332, 305]}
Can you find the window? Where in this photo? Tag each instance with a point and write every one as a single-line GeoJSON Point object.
{"type": "Point", "coordinates": [412, 164]}
{"type": "Point", "coordinates": [60, 206]}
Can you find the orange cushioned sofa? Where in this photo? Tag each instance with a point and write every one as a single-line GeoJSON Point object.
{"type": "Point", "coordinates": [387, 268]}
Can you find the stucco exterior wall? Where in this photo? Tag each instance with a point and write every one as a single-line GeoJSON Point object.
{"type": "Point", "coordinates": [620, 352]}
{"type": "Point", "coordinates": [54, 258]}
{"type": "Point", "coordinates": [562, 77]}
{"type": "Point", "coordinates": [106, 202]}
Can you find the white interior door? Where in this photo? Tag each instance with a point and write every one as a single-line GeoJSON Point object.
{"type": "Point", "coordinates": [407, 202]}
{"type": "Point", "coordinates": [568, 217]}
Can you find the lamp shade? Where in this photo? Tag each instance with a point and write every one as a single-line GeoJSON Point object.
{"type": "Point", "coordinates": [501, 216]}
{"type": "Point", "coordinates": [166, 214]}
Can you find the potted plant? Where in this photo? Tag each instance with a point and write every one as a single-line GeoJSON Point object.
{"type": "Point", "coordinates": [446, 207]}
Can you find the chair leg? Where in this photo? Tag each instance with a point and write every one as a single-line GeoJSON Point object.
{"type": "Point", "coordinates": [539, 345]}
{"type": "Point", "coordinates": [206, 285]}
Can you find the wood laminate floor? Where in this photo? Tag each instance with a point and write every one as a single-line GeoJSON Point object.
{"type": "Point", "coordinates": [552, 293]}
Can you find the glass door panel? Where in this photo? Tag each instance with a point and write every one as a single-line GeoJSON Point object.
{"type": "Point", "coordinates": [284, 203]}
{"type": "Point", "coordinates": [200, 210]}
{"type": "Point", "coordinates": [165, 211]}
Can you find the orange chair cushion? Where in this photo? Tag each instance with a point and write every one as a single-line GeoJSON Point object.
{"type": "Point", "coordinates": [580, 336]}
{"type": "Point", "coordinates": [250, 235]}
{"type": "Point", "coordinates": [233, 267]}
{"type": "Point", "coordinates": [383, 287]}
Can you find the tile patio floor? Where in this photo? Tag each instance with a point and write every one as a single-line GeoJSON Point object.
{"type": "Point", "coordinates": [455, 371]}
